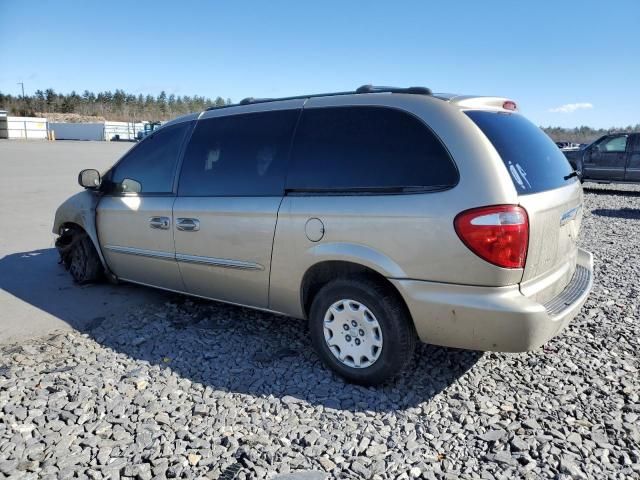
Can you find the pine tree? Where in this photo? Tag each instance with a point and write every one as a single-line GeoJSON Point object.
{"type": "Point", "coordinates": [162, 102]}
{"type": "Point", "coordinates": [50, 96]}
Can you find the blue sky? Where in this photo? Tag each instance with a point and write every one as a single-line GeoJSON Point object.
{"type": "Point", "coordinates": [580, 58]}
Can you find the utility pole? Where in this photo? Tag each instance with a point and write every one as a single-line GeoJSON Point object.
{"type": "Point", "coordinates": [22, 84]}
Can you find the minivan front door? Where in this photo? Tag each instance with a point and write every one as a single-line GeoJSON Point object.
{"type": "Point", "coordinates": [137, 240]}
{"type": "Point", "coordinates": [230, 189]}
{"type": "Point", "coordinates": [633, 164]}
{"type": "Point", "coordinates": [606, 160]}
{"type": "Point", "coordinates": [134, 216]}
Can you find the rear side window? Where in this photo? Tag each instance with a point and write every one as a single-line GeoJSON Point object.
{"type": "Point", "coordinates": [239, 155]}
{"type": "Point", "coordinates": [151, 165]}
{"type": "Point", "coordinates": [535, 163]}
{"type": "Point", "coordinates": [344, 149]}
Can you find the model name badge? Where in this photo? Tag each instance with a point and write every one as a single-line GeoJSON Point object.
{"type": "Point", "coordinates": [569, 215]}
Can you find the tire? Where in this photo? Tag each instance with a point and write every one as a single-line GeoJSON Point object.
{"type": "Point", "coordinates": [373, 304]}
{"type": "Point", "coordinates": [83, 262]}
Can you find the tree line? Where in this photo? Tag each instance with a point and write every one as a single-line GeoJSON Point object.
{"type": "Point", "coordinates": [123, 106]}
{"type": "Point", "coordinates": [584, 134]}
{"type": "Point", "coordinates": [117, 105]}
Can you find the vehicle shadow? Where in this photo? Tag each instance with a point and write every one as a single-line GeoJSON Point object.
{"type": "Point", "coordinates": [36, 278]}
{"type": "Point", "coordinates": [627, 213]}
{"type": "Point", "coordinates": [611, 191]}
{"type": "Point", "coordinates": [224, 347]}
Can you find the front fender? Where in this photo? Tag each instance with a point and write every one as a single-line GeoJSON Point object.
{"type": "Point", "coordinates": [80, 209]}
{"type": "Point", "coordinates": [575, 159]}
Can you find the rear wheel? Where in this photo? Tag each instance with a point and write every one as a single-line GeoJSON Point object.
{"type": "Point", "coordinates": [361, 330]}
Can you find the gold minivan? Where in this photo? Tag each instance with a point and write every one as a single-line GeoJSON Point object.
{"type": "Point", "coordinates": [383, 216]}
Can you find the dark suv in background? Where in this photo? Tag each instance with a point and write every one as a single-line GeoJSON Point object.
{"type": "Point", "coordinates": [612, 158]}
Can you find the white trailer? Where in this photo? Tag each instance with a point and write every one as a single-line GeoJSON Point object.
{"type": "Point", "coordinates": [109, 131]}
{"type": "Point", "coordinates": [122, 130]}
{"type": "Point", "coordinates": [26, 128]}
{"type": "Point", "coordinates": [77, 131]}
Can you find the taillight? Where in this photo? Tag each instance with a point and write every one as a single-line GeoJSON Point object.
{"type": "Point", "coordinates": [499, 234]}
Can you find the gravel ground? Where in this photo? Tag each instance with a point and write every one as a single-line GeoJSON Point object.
{"type": "Point", "coordinates": [198, 389]}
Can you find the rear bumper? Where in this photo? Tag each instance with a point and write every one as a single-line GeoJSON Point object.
{"type": "Point", "coordinates": [493, 318]}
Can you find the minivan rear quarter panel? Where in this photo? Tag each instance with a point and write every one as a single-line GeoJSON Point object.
{"type": "Point", "coordinates": [408, 236]}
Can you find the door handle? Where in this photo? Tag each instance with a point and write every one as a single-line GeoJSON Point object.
{"type": "Point", "coordinates": [160, 223]}
{"type": "Point", "coordinates": [188, 224]}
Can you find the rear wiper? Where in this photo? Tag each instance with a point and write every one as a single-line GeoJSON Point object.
{"type": "Point", "coordinates": [571, 175]}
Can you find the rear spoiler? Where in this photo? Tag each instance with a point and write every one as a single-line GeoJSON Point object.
{"type": "Point", "coordinates": [500, 104]}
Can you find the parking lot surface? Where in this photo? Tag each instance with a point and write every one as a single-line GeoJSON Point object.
{"type": "Point", "coordinates": [171, 387]}
{"type": "Point", "coordinates": [36, 296]}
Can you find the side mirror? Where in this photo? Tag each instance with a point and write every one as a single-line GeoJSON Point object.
{"type": "Point", "coordinates": [89, 178]}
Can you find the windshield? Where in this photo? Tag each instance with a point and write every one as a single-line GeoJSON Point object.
{"type": "Point", "coordinates": [534, 161]}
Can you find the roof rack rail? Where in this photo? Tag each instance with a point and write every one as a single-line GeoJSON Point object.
{"type": "Point", "coordinates": [360, 90]}
{"type": "Point", "coordinates": [377, 89]}
{"type": "Point", "coordinates": [250, 100]}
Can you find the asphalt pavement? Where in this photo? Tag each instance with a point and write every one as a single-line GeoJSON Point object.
{"type": "Point", "coordinates": [37, 296]}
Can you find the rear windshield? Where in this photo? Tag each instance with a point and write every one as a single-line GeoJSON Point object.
{"type": "Point", "coordinates": [535, 163]}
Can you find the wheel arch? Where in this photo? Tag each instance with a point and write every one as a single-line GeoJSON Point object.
{"type": "Point", "coordinates": [75, 226]}
{"type": "Point", "coordinates": [319, 274]}
{"type": "Point", "coordinates": [79, 211]}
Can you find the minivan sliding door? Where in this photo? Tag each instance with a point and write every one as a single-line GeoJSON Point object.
{"type": "Point", "coordinates": [230, 189]}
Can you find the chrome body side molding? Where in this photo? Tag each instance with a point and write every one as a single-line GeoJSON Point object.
{"type": "Point", "coordinates": [218, 262]}
{"type": "Point", "coordinates": [142, 252]}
